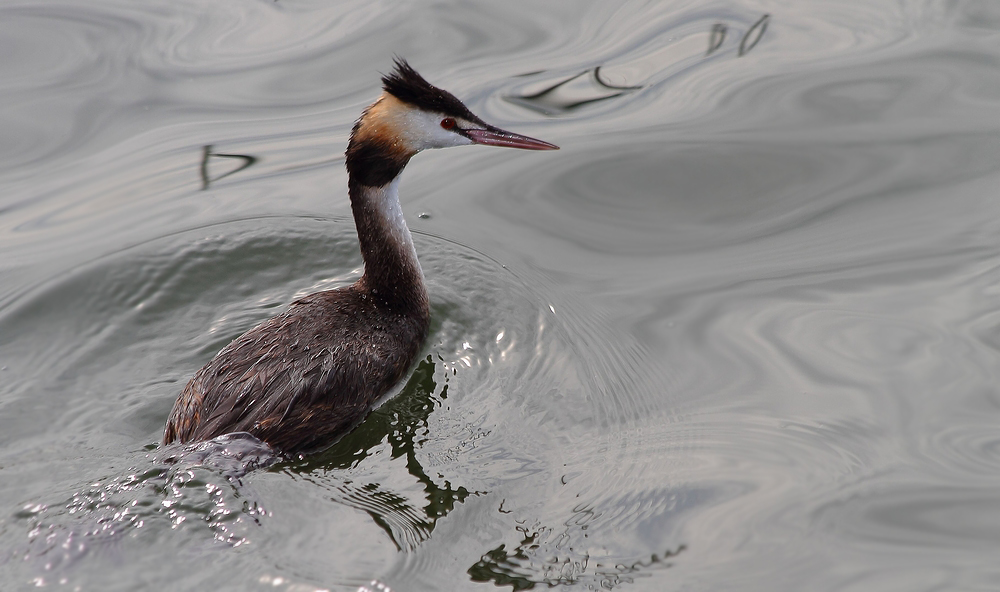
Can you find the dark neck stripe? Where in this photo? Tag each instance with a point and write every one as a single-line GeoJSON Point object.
{"type": "Point", "coordinates": [374, 162]}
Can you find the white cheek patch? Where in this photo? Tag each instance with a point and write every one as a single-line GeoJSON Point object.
{"type": "Point", "coordinates": [422, 130]}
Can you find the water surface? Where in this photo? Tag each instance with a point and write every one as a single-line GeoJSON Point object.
{"type": "Point", "coordinates": [740, 333]}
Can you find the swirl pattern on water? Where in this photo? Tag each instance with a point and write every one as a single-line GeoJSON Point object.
{"type": "Point", "coordinates": [154, 285]}
{"type": "Point", "coordinates": [742, 325]}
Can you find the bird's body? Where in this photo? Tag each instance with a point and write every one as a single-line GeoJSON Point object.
{"type": "Point", "coordinates": [301, 379]}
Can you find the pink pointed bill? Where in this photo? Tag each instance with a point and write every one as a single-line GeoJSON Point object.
{"type": "Point", "coordinates": [499, 137]}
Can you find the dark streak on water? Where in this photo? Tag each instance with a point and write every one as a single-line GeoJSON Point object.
{"type": "Point", "coordinates": [739, 333]}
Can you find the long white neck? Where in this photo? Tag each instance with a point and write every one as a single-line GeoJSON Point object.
{"type": "Point", "coordinates": [392, 271]}
{"type": "Point", "coordinates": [386, 201]}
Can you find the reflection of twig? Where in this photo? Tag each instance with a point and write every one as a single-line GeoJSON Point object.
{"type": "Point", "coordinates": [546, 91]}
{"type": "Point", "coordinates": [716, 38]}
{"type": "Point", "coordinates": [760, 26]}
{"type": "Point", "coordinates": [206, 153]}
{"type": "Point", "coordinates": [597, 77]}
{"type": "Point", "coordinates": [206, 150]}
{"type": "Point", "coordinates": [533, 101]}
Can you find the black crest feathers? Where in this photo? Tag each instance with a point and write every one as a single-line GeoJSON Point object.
{"type": "Point", "coordinates": [408, 86]}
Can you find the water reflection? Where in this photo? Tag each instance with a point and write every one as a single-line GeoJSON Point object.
{"type": "Point", "coordinates": [716, 37]}
{"type": "Point", "coordinates": [754, 35]}
{"type": "Point", "coordinates": [207, 154]}
{"type": "Point", "coordinates": [665, 54]}
{"type": "Point", "coordinates": [806, 243]}
{"type": "Point", "coordinates": [750, 39]}
{"type": "Point", "coordinates": [570, 94]}
{"type": "Point", "coordinates": [204, 485]}
{"type": "Point", "coordinates": [540, 560]}
{"type": "Point", "coordinates": [401, 423]}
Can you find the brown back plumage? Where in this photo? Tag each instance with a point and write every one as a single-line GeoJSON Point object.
{"type": "Point", "coordinates": [303, 377]}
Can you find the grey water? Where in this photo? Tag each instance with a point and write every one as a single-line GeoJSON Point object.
{"type": "Point", "coordinates": [741, 332]}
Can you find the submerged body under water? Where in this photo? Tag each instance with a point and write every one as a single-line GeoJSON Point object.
{"type": "Point", "coordinates": [740, 332]}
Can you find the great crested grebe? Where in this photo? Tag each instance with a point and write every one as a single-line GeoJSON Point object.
{"type": "Point", "coordinates": [301, 379]}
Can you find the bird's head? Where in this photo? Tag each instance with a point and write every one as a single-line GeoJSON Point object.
{"type": "Point", "coordinates": [414, 115]}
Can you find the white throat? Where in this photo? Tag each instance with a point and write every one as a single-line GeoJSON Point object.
{"type": "Point", "coordinates": [386, 200]}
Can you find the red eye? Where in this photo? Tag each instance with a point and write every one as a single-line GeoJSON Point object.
{"type": "Point", "coordinates": [447, 123]}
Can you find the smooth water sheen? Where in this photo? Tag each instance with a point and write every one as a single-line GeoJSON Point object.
{"type": "Point", "coordinates": [741, 333]}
